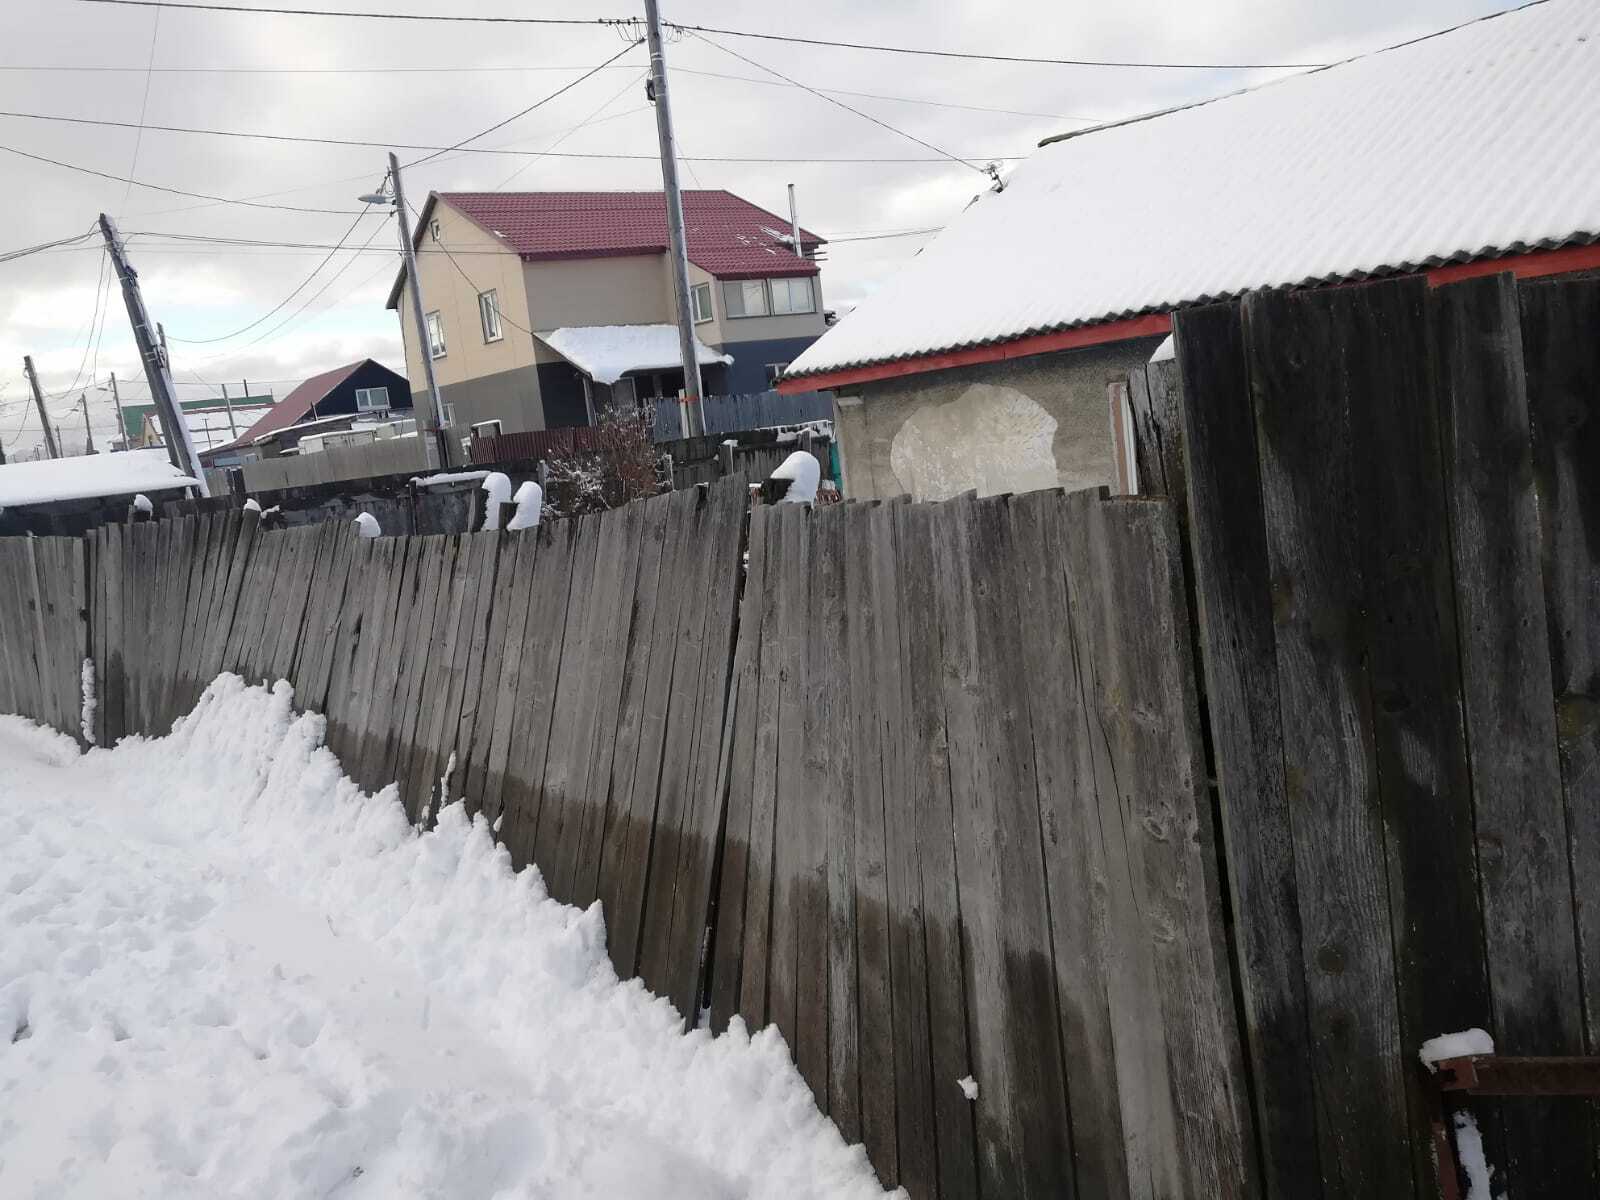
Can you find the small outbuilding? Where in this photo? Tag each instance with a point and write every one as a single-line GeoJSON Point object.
{"type": "Point", "coordinates": [69, 495]}
{"type": "Point", "coordinates": [985, 362]}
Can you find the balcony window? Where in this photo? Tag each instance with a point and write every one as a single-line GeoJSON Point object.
{"type": "Point", "coordinates": [792, 295]}
{"type": "Point", "coordinates": [745, 297]}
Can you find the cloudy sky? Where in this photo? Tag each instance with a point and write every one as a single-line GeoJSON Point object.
{"type": "Point", "coordinates": [431, 84]}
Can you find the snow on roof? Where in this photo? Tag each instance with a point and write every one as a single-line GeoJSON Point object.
{"type": "Point", "coordinates": [1454, 147]}
{"type": "Point", "coordinates": [605, 353]}
{"type": "Point", "coordinates": [120, 474]}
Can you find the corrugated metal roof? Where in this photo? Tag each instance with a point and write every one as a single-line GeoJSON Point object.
{"type": "Point", "coordinates": [1474, 143]}
{"type": "Point", "coordinates": [728, 237]}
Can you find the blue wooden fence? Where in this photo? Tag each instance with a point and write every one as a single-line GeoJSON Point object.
{"type": "Point", "coordinates": [732, 414]}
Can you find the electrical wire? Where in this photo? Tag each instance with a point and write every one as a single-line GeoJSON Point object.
{"type": "Point", "coordinates": [381, 145]}
{"type": "Point", "coordinates": [144, 108]}
{"type": "Point", "coordinates": [841, 104]}
{"type": "Point", "coordinates": [460, 270]}
{"type": "Point", "coordinates": [591, 118]}
{"type": "Point", "coordinates": [628, 22]}
{"type": "Point", "coordinates": [25, 251]}
{"type": "Point", "coordinates": [154, 187]}
{"type": "Point", "coordinates": [562, 90]}
{"type": "Point", "coordinates": [298, 288]}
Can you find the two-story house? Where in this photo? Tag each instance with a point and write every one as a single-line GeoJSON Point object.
{"type": "Point", "coordinates": [542, 307]}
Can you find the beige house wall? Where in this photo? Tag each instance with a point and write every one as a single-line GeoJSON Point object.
{"type": "Point", "coordinates": [1014, 426]}
{"type": "Point", "coordinates": [634, 289]}
{"type": "Point", "coordinates": [490, 265]}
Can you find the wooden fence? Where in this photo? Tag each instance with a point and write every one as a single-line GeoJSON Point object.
{"type": "Point", "coordinates": [943, 793]}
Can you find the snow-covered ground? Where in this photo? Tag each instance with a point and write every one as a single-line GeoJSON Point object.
{"type": "Point", "coordinates": [225, 971]}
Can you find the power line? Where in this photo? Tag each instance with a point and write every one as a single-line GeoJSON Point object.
{"type": "Point", "coordinates": [562, 90]}
{"type": "Point", "coordinates": [368, 144]}
{"type": "Point", "coordinates": [25, 251]}
{"type": "Point", "coordinates": [144, 108]}
{"type": "Point", "coordinates": [591, 118]}
{"type": "Point", "coordinates": [298, 288]}
{"type": "Point", "coordinates": [841, 104]}
{"type": "Point", "coordinates": [154, 187]}
{"type": "Point", "coordinates": [454, 70]}
{"type": "Point", "coordinates": [629, 22]}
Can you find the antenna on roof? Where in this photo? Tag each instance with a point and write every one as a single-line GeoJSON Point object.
{"type": "Point", "coordinates": [992, 170]}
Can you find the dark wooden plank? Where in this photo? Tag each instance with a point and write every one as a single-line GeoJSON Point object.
{"type": "Point", "coordinates": [931, 1046]}
{"type": "Point", "coordinates": [1147, 702]}
{"type": "Point", "coordinates": [1563, 380]}
{"type": "Point", "coordinates": [1063, 768]}
{"type": "Point", "coordinates": [572, 727]}
{"type": "Point", "coordinates": [196, 610]}
{"type": "Point", "coordinates": [1413, 673]}
{"type": "Point", "coordinates": [757, 950]}
{"type": "Point", "coordinates": [510, 592]}
{"type": "Point", "coordinates": [718, 548]}
{"type": "Point", "coordinates": [22, 642]}
{"type": "Point", "coordinates": [477, 645]}
{"type": "Point", "coordinates": [626, 932]}
{"type": "Point", "coordinates": [342, 694]}
{"type": "Point", "coordinates": [410, 647]}
{"type": "Point", "coordinates": [137, 563]}
{"type": "Point", "coordinates": [728, 948]}
{"type": "Point", "coordinates": [243, 541]}
{"type": "Point", "coordinates": [535, 695]}
{"type": "Point", "coordinates": [518, 569]}
{"type": "Point", "coordinates": [420, 771]}
{"type": "Point", "coordinates": [1309, 491]}
{"type": "Point", "coordinates": [39, 589]}
{"type": "Point", "coordinates": [1518, 813]}
{"type": "Point", "coordinates": [616, 579]}
{"type": "Point", "coordinates": [394, 633]}
{"type": "Point", "coordinates": [112, 700]}
{"type": "Point", "coordinates": [313, 672]}
{"type": "Point", "coordinates": [289, 615]}
{"type": "Point", "coordinates": [1234, 607]}
{"type": "Point", "coordinates": [378, 600]}
{"type": "Point", "coordinates": [626, 854]}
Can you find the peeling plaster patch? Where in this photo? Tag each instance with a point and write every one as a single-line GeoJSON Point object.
{"type": "Point", "coordinates": [994, 439]}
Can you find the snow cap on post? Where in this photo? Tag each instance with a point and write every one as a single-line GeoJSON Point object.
{"type": "Point", "coordinates": [251, 505]}
{"type": "Point", "coordinates": [141, 503]}
{"type": "Point", "coordinates": [530, 506]}
{"type": "Point", "coordinates": [803, 472]}
{"type": "Point", "coordinates": [497, 491]}
{"type": "Point", "coordinates": [367, 526]}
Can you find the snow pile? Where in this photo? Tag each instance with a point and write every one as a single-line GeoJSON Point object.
{"type": "Point", "coordinates": [968, 1086]}
{"type": "Point", "coordinates": [497, 489]}
{"type": "Point", "coordinates": [447, 477]}
{"type": "Point", "coordinates": [227, 971]}
{"type": "Point", "coordinates": [1455, 1045]}
{"type": "Point", "coordinates": [87, 713]}
{"type": "Point", "coordinates": [530, 506]}
{"type": "Point", "coordinates": [605, 353]}
{"type": "Point", "coordinates": [805, 472]}
{"type": "Point", "coordinates": [367, 526]}
{"type": "Point", "coordinates": [141, 503]}
{"type": "Point", "coordinates": [252, 505]}
{"type": "Point", "coordinates": [119, 474]}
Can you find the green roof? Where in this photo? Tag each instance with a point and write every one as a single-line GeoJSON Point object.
{"type": "Point", "coordinates": [133, 415]}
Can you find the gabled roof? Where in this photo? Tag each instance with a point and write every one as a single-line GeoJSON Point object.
{"type": "Point", "coordinates": [1476, 143]}
{"type": "Point", "coordinates": [295, 405]}
{"type": "Point", "coordinates": [728, 237]}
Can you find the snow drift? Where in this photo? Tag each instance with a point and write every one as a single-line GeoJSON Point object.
{"type": "Point", "coordinates": [228, 971]}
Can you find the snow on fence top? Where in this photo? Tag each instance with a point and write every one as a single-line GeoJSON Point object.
{"type": "Point", "coordinates": [605, 353]}
{"type": "Point", "coordinates": [1454, 147]}
{"type": "Point", "coordinates": [88, 475]}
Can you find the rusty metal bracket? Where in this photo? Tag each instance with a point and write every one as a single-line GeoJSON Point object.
{"type": "Point", "coordinates": [1502, 1075]}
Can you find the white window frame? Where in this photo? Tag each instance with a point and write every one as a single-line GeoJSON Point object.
{"type": "Point", "coordinates": [739, 311]}
{"type": "Point", "coordinates": [702, 312]}
{"type": "Point", "coordinates": [773, 371]}
{"type": "Point", "coordinates": [436, 343]}
{"type": "Point", "coordinates": [785, 286]}
{"type": "Point", "coordinates": [489, 316]}
{"type": "Point", "coordinates": [433, 228]}
{"type": "Point", "coordinates": [364, 398]}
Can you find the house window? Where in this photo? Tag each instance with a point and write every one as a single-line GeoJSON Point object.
{"type": "Point", "coordinates": [700, 294]}
{"type": "Point", "coordinates": [745, 297]}
{"type": "Point", "coordinates": [433, 228]}
{"type": "Point", "coordinates": [774, 370]}
{"type": "Point", "coordinates": [435, 336]}
{"type": "Point", "coordinates": [792, 295]}
{"type": "Point", "coordinates": [372, 399]}
{"type": "Point", "coordinates": [489, 315]}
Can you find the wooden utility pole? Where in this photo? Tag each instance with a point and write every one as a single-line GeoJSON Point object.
{"type": "Point", "coordinates": [426, 351]}
{"type": "Point", "coordinates": [38, 400]}
{"type": "Point", "coordinates": [233, 430]}
{"type": "Point", "coordinates": [122, 425]}
{"type": "Point", "coordinates": [678, 246]}
{"type": "Point", "coordinates": [88, 434]}
{"type": "Point", "coordinates": [157, 371]}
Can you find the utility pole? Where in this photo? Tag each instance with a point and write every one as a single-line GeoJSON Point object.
{"type": "Point", "coordinates": [425, 351]}
{"type": "Point", "coordinates": [794, 226]}
{"type": "Point", "coordinates": [233, 430]}
{"type": "Point", "coordinates": [88, 434]}
{"type": "Point", "coordinates": [38, 400]}
{"type": "Point", "coordinates": [678, 243]}
{"type": "Point", "coordinates": [122, 425]}
{"type": "Point", "coordinates": [157, 371]}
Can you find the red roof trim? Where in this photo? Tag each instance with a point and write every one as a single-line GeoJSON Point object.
{"type": "Point", "coordinates": [1534, 265]}
{"type": "Point", "coordinates": [1039, 343]}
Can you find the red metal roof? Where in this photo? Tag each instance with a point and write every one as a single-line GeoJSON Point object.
{"type": "Point", "coordinates": [728, 237]}
{"type": "Point", "coordinates": [295, 405]}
